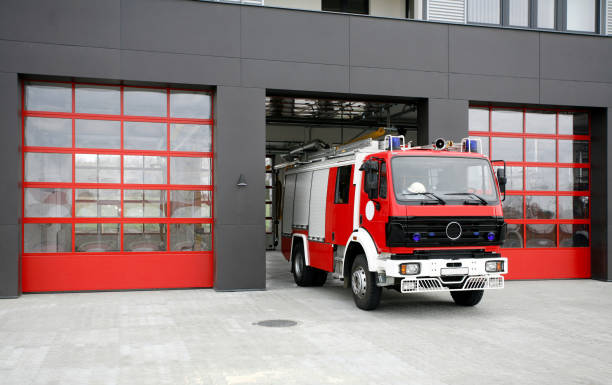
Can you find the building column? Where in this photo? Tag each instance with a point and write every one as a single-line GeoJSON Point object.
{"type": "Point", "coordinates": [601, 193]}
{"type": "Point", "coordinates": [239, 230]}
{"type": "Point", "coordinates": [10, 188]}
{"type": "Point", "coordinates": [606, 255]}
{"type": "Point", "coordinates": [442, 118]}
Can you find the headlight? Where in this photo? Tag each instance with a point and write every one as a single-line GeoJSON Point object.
{"type": "Point", "coordinates": [410, 268]}
{"type": "Point", "coordinates": [494, 266]}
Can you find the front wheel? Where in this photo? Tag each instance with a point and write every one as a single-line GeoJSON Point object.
{"type": "Point", "coordinates": [467, 298]}
{"type": "Point", "coordinates": [363, 284]}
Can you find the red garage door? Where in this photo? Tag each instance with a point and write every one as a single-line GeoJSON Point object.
{"type": "Point", "coordinates": [547, 207]}
{"type": "Point", "coordinates": [117, 187]}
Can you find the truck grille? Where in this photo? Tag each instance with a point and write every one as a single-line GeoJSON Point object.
{"type": "Point", "coordinates": [429, 284]}
{"type": "Point", "coordinates": [444, 231]}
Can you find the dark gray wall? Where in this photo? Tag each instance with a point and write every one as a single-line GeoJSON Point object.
{"type": "Point", "coordinates": [240, 144]}
{"type": "Point", "coordinates": [244, 50]}
{"type": "Point", "coordinates": [606, 216]}
{"type": "Point", "coordinates": [599, 194]}
{"type": "Point", "coordinates": [10, 228]}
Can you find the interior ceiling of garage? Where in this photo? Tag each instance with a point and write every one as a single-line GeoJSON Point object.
{"type": "Point", "coordinates": [292, 121]}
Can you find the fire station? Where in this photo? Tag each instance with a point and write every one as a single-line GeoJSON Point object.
{"type": "Point", "coordinates": [140, 137]}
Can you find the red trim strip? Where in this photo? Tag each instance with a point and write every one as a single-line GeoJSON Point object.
{"type": "Point", "coordinates": [118, 151]}
{"type": "Point", "coordinates": [116, 220]}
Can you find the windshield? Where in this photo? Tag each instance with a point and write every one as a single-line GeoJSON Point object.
{"type": "Point", "coordinates": [443, 179]}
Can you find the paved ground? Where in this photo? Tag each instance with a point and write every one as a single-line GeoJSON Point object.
{"type": "Point", "coordinates": [532, 332]}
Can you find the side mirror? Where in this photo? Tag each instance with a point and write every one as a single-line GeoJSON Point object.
{"type": "Point", "coordinates": [501, 178]}
{"type": "Point", "coordinates": [370, 183]}
{"type": "Point", "coordinates": [369, 165]}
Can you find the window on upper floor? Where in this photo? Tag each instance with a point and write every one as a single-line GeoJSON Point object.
{"type": "Point", "coordinates": [546, 11]}
{"type": "Point", "coordinates": [414, 9]}
{"type": "Point", "coordinates": [347, 6]}
{"type": "Point", "coordinates": [484, 11]}
{"type": "Point", "coordinates": [581, 15]}
{"type": "Point", "coordinates": [518, 13]}
{"type": "Point", "coordinates": [562, 15]}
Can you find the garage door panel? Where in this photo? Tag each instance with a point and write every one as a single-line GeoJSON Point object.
{"type": "Point", "coordinates": [547, 205]}
{"type": "Point", "coordinates": [114, 197]}
{"type": "Point", "coordinates": [99, 272]}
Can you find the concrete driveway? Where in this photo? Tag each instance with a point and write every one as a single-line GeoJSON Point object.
{"type": "Point", "coordinates": [532, 332]}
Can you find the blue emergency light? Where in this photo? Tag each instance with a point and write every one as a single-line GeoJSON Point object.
{"type": "Point", "coordinates": [395, 143]}
{"type": "Point", "coordinates": [470, 145]}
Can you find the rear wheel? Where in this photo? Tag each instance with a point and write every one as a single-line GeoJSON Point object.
{"type": "Point", "coordinates": [305, 275]}
{"type": "Point", "coordinates": [467, 298]}
{"type": "Point", "coordinates": [363, 284]}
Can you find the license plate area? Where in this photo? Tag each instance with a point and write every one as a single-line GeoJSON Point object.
{"type": "Point", "coordinates": [454, 271]}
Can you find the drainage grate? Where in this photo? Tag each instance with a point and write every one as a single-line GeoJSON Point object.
{"type": "Point", "coordinates": [276, 323]}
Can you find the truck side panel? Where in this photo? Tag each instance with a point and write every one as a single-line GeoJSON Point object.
{"type": "Point", "coordinates": [288, 204]}
{"type": "Point", "coordinates": [340, 214]}
{"type": "Point", "coordinates": [329, 204]}
{"type": "Point", "coordinates": [321, 255]}
{"type": "Point", "coordinates": [318, 195]}
{"type": "Point", "coordinates": [301, 206]}
{"type": "Point", "coordinates": [286, 246]}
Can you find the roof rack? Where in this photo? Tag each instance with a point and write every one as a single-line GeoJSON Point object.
{"type": "Point", "coordinates": [334, 152]}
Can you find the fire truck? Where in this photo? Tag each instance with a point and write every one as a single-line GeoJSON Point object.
{"type": "Point", "coordinates": [385, 214]}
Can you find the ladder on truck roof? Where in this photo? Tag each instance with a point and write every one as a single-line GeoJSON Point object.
{"type": "Point", "coordinates": [334, 152]}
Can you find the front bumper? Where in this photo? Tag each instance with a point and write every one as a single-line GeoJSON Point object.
{"type": "Point", "coordinates": [430, 284]}
{"type": "Point", "coordinates": [442, 274]}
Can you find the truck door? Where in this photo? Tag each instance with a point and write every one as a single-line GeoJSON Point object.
{"type": "Point", "coordinates": [340, 201]}
{"type": "Point", "coordinates": [374, 209]}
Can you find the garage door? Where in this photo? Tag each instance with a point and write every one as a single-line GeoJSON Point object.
{"type": "Point", "coordinates": [547, 207]}
{"type": "Point", "coordinates": [117, 187]}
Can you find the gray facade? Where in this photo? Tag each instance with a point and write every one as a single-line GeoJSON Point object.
{"type": "Point", "coordinates": [245, 50]}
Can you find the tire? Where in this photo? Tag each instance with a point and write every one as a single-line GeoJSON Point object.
{"type": "Point", "coordinates": [305, 275]}
{"type": "Point", "coordinates": [363, 285]}
{"type": "Point", "coordinates": [467, 298]}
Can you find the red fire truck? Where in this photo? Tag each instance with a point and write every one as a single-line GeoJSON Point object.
{"type": "Point", "coordinates": [384, 214]}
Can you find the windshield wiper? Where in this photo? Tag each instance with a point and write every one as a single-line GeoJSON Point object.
{"type": "Point", "coordinates": [481, 199]}
{"type": "Point", "coordinates": [429, 194]}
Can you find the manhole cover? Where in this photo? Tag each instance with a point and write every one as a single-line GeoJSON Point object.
{"type": "Point", "coordinates": [276, 323]}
